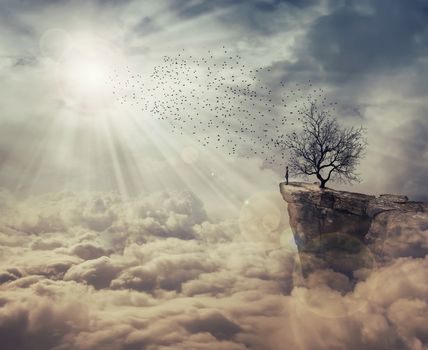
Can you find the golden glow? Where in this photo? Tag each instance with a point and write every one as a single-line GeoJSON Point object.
{"type": "Point", "coordinates": [124, 147]}
{"type": "Point", "coordinates": [83, 71]}
{"type": "Point", "coordinates": [86, 73]}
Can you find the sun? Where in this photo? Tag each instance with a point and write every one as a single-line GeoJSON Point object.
{"type": "Point", "coordinates": [83, 72]}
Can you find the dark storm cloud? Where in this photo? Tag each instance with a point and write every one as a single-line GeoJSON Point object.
{"type": "Point", "coordinates": [351, 37]}
{"type": "Point", "coordinates": [410, 161]}
{"type": "Point", "coordinates": [254, 15]}
{"type": "Point", "coordinates": [188, 8]}
{"type": "Point", "coordinates": [365, 36]}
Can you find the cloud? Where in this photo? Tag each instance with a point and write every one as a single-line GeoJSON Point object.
{"type": "Point", "coordinates": [214, 323]}
{"type": "Point", "coordinates": [408, 316]}
{"type": "Point", "coordinates": [97, 272]}
{"type": "Point", "coordinates": [10, 274]}
{"type": "Point", "coordinates": [412, 158]}
{"type": "Point", "coordinates": [203, 292]}
{"type": "Point", "coordinates": [136, 278]}
{"type": "Point", "coordinates": [354, 50]}
{"type": "Point", "coordinates": [392, 236]}
{"type": "Point", "coordinates": [88, 251]}
{"type": "Point", "coordinates": [32, 321]}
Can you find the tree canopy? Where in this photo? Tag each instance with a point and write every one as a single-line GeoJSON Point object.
{"type": "Point", "coordinates": [323, 148]}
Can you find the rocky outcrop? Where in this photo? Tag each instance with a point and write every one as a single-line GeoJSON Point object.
{"type": "Point", "coordinates": [347, 231]}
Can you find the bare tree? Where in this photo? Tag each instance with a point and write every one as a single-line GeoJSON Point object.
{"type": "Point", "coordinates": [323, 148]}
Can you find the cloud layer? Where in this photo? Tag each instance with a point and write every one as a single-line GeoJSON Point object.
{"type": "Point", "coordinates": [95, 271]}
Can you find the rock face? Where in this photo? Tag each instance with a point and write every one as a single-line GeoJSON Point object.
{"type": "Point", "coordinates": [347, 231]}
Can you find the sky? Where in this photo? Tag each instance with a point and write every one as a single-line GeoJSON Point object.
{"type": "Point", "coordinates": [61, 128]}
{"type": "Point", "coordinates": [117, 233]}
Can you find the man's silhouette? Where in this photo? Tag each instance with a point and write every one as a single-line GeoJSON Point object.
{"type": "Point", "coordinates": [286, 175]}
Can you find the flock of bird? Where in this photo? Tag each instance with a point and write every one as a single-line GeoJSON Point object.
{"type": "Point", "coordinates": [220, 101]}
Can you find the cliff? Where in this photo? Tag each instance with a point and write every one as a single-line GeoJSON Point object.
{"type": "Point", "coordinates": [347, 231]}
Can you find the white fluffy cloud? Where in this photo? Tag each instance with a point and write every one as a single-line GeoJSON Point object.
{"type": "Point", "coordinates": [107, 280]}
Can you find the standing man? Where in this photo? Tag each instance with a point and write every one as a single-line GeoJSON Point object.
{"type": "Point", "coordinates": [286, 175]}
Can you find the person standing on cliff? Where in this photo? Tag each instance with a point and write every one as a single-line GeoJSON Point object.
{"type": "Point", "coordinates": [286, 175]}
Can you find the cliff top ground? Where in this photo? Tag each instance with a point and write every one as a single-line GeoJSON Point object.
{"type": "Point", "coordinates": [359, 203]}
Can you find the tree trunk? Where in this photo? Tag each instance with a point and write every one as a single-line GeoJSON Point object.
{"type": "Point", "coordinates": [322, 181]}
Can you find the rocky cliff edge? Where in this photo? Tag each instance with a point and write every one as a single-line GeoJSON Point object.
{"type": "Point", "coordinates": [347, 231]}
